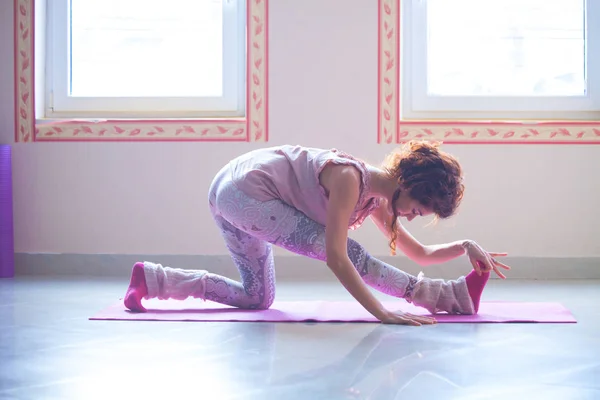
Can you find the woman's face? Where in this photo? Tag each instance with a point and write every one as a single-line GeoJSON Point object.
{"type": "Point", "coordinates": [409, 208]}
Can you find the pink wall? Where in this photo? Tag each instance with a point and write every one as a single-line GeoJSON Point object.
{"type": "Point", "coordinates": [151, 197]}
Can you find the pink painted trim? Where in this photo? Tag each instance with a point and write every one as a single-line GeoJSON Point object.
{"type": "Point", "coordinates": [142, 130]}
{"type": "Point", "coordinates": [462, 132]}
{"type": "Point", "coordinates": [489, 132]}
{"type": "Point", "coordinates": [398, 93]}
{"type": "Point", "coordinates": [33, 63]}
{"type": "Point", "coordinates": [379, 72]}
{"type": "Point", "coordinates": [242, 139]}
{"type": "Point", "coordinates": [15, 66]}
{"type": "Point", "coordinates": [387, 70]}
{"type": "Point", "coordinates": [254, 127]}
{"type": "Point", "coordinates": [266, 75]}
{"type": "Point", "coordinates": [505, 133]}
{"type": "Point", "coordinates": [546, 142]}
{"type": "Point", "coordinates": [501, 123]}
{"type": "Point", "coordinates": [248, 72]}
{"type": "Point", "coordinates": [100, 121]}
{"type": "Point", "coordinates": [24, 69]}
{"type": "Point", "coordinates": [257, 78]}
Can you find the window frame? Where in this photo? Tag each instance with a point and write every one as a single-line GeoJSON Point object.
{"type": "Point", "coordinates": [31, 125]}
{"type": "Point", "coordinates": [59, 104]}
{"type": "Point", "coordinates": [393, 129]}
{"type": "Point", "coordinates": [419, 105]}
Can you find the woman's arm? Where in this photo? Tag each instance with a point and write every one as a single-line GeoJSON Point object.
{"type": "Point", "coordinates": [343, 185]}
{"type": "Point", "coordinates": [409, 245]}
{"type": "Point", "coordinates": [481, 260]}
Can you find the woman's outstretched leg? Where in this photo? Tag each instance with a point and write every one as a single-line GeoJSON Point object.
{"type": "Point", "coordinates": [432, 294]}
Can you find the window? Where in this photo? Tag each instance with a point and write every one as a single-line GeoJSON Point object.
{"type": "Point", "coordinates": [146, 58]}
{"type": "Point", "coordinates": [500, 59]}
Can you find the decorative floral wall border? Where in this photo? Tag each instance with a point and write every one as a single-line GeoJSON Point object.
{"type": "Point", "coordinates": [24, 71]}
{"type": "Point", "coordinates": [252, 128]}
{"type": "Point", "coordinates": [392, 130]}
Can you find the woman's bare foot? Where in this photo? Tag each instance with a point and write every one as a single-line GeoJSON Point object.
{"type": "Point", "coordinates": [137, 289]}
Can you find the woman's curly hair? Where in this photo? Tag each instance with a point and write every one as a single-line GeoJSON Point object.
{"type": "Point", "coordinates": [430, 176]}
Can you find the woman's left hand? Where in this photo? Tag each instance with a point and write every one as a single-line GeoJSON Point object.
{"type": "Point", "coordinates": [483, 261]}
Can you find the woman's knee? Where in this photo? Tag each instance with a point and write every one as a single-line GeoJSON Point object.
{"type": "Point", "coordinates": [264, 306]}
{"type": "Point", "coordinates": [268, 298]}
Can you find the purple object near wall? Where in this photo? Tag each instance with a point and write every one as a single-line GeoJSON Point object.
{"type": "Point", "coordinates": [7, 248]}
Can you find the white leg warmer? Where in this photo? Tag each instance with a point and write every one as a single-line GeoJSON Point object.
{"type": "Point", "coordinates": [438, 295]}
{"type": "Point", "coordinates": [173, 283]}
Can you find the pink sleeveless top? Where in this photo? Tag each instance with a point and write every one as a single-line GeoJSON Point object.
{"type": "Point", "coordinates": [291, 174]}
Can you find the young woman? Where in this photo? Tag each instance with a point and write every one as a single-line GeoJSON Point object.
{"type": "Point", "coordinates": [305, 200]}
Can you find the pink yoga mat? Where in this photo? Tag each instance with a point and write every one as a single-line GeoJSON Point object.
{"type": "Point", "coordinates": [328, 311]}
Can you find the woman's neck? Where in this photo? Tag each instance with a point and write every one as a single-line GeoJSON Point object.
{"type": "Point", "coordinates": [381, 183]}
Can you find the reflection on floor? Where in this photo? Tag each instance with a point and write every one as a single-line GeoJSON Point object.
{"type": "Point", "coordinates": [50, 350]}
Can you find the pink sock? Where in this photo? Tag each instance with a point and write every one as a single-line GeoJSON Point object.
{"type": "Point", "coordinates": [137, 289]}
{"type": "Point", "coordinates": [475, 285]}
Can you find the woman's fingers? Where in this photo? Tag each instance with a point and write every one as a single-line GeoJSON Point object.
{"type": "Point", "coordinates": [476, 266]}
{"type": "Point", "coordinates": [422, 319]}
{"type": "Point", "coordinates": [499, 264]}
{"type": "Point", "coordinates": [403, 318]}
{"type": "Point", "coordinates": [500, 274]}
{"type": "Point", "coordinates": [489, 268]}
{"type": "Point", "coordinates": [409, 321]}
{"type": "Point", "coordinates": [487, 262]}
{"type": "Point", "coordinates": [487, 265]}
{"type": "Point", "coordinates": [428, 321]}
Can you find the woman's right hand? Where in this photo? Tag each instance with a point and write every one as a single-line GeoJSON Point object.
{"type": "Point", "coordinates": [483, 261]}
{"type": "Point", "coordinates": [403, 318]}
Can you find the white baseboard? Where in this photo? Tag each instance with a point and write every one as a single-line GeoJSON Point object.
{"type": "Point", "coordinates": [290, 268]}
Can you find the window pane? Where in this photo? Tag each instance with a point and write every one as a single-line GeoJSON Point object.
{"type": "Point", "coordinates": [153, 48]}
{"type": "Point", "coordinates": [506, 47]}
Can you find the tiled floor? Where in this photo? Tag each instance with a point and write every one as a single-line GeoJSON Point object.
{"type": "Point", "coordinates": [50, 350]}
